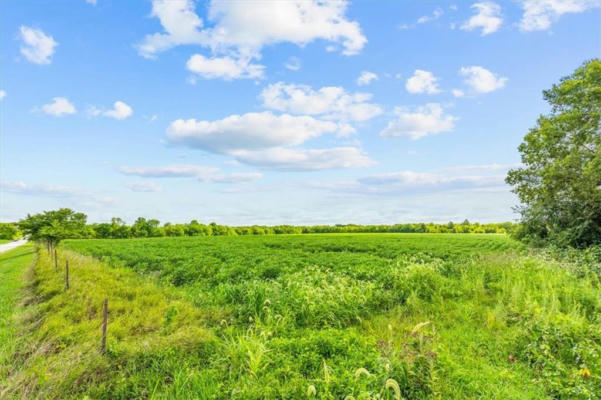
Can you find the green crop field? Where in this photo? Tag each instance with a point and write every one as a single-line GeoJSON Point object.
{"type": "Point", "coordinates": [358, 316]}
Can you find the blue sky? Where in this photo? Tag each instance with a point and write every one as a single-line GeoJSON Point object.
{"type": "Point", "coordinates": [269, 112]}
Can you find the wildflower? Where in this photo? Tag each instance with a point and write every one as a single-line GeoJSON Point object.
{"type": "Point", "coordinates": [585, 373]}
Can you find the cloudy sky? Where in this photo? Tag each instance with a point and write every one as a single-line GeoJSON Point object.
{"type": "Point", "coordinates": [266, 111]}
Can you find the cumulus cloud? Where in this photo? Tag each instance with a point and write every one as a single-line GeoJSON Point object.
{"type": "Point", "coordinates": [487, 17]}
{"type": "Point", "coordinates": [148, 187]}
{"type": "Point", "coordinates": [2, 94]}
{"type": "Point", "coordinates": [366, 78]}
{"type": "Point", "coordinates": [296, 159]}
{"type": "Point", "coordinates": [540, 14]}
{"type": "Point", "coordinates": [240, 32]}
{"type": "Point", "coordinates": [248, 131]}
{"type": "Point", "coordinates": [458, 93]}
{"type": "Point", "coordinates": [423, 121]}
{"type": "Point", "coordinates": [60, 106]}
{"type": "Point", "coordinates": [422, 82]}
{"type": "Point", "coordinates": [180, 23]}
{"type": "Point", "coordinates": [331, 102]}
{"type": "Point", "coordinates": [200, 172]}
{"type": "Point", "coordinates": [37, 47]}
{"type": "Point", "coordinates": [226, 68]}
{"type": "Point", "coordinates": [267, 140]}
{"type": "Point", "coordinates": [120, 111]}
{"type": "Point", "coordinates": [482, 80]}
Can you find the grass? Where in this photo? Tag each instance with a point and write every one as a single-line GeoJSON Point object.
{"type": "Point", "coordinates": [290, 317]}
{"type": "Point", "coordinates": [13, 265]}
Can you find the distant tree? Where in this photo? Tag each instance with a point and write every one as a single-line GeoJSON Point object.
{"type": "Point", "coordinates": [119, 229]}
{"type": "Point", "coordinates": [8, 231]}
{"type": "Point", "coordinates": [102, 231]}
{"type": "Point", "coordinates": [559, 184]}
{"type": "Point", "coordinates": [53, 226]}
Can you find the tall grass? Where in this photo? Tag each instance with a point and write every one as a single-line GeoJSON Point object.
{"type": "Point", "coordinates": [283, 318]}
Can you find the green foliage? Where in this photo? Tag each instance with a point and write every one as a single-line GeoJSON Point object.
{"type": "Point", "coordinates": [54, 226]}
{"type": "Point", "coordinates": [9, 231]}
{"type": "Point", "coordinates": [560, 182]}
{"type": "Point", "coordinates": [153, 334]}
{"type": "Point", "coordinates": [150, 228]}
{"type": "Point", "coordinates": [386, 316]}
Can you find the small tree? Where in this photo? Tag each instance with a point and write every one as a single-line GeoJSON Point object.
{"type": "Point", "coordinates": [559, 184]}
{"type": "Point", "coordinates": [53, 226]}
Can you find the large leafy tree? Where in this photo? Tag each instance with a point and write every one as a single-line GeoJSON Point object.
{"type": "Point", "coordinates": [559, 184]}
{"type": "Point", "coordinates": [53, 226]}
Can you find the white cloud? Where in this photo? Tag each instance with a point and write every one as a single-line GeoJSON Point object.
{"type": "Point", "coordinates": [180, 23]}
{"type": "Point", "coordinates": [240, 32]}
{"type": "Point", "coordinates": [66, 194]}
{"type": "Point", "coordinates": [458, 93]}
{"type": "Point", "coordinates": [92, 2]}
{"type": "Point", "coordinates": [366, 78]}
{"type": "Point", "coordinates": [269, 22]}
{"type": "Point", "coordinates": [268, 141]}
{"type": "Point", "coordinates": [414, 182]}
{"type": "Point", "coordinates": [120, 111]}
{"type": "Point", "coordinates": [305, 159]}
{"type": "Point", "coordinates": [236, 177]}
{"type": "Point", "coordinates": [37, 47]}
{"type": "Point", "coordinates": [412, 178]}
{"type": "Point", "coordinates": [424, 121]}
{"type": "Point", "coordinates": [199, 172]}
{"type": "Point", "coordinates": [483, 167]}
{"type": "Point", "coordinates": [2, 94]}
{"type": "Point", "coordinates": [540, 14]}
{"type": "Point", "coordinates": [331, 102]}
{"type": "Point", "coordinates": [38, 190]}
{"type": "Point", "coordinates": [170, 171]}
{"type": "Point", "coordinates": [145, 187]}
{"type": "Point", "coordinates": [437, 13]}
{"type": "Point", "coordinates": [422, 82]}
{"type": "Point", "coordinates": [226, 68]}
{"type": "Point", "coordinates": [482, 80]}
{"type": "Point", "coordinates": [293, 63]}
{"type": "Point", "coordinates": [488, 17]}
{"type": "Point", "coordinates": [248, 131]}
{"type": "Point", "coordinates": [60, 106]}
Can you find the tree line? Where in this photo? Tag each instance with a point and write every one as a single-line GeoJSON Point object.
{"type": "Point", "coordinates": [53, 226]}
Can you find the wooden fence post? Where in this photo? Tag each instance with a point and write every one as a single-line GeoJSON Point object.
{"type": "Point", "coordinates": [55, 260]}
{"type": "Point", "coordinates": [105, 316]}
{"type": "Point", "coordinates": [66, 274]}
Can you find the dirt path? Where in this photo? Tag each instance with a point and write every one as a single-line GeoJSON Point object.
{"type": "Point", "coordinates": [9, 246]}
